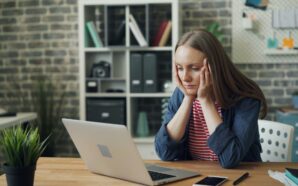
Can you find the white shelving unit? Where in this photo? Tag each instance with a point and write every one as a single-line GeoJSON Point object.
{"type": "Point", "coordinates": [119, 56]}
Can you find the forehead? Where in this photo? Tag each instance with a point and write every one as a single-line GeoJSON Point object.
{"type": "Point", "coordinates": [186, 54]}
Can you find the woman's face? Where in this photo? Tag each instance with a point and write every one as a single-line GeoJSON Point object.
{"type": "Point", "coordinates": [189, 62]}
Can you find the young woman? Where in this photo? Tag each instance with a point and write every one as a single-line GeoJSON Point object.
{"type": "Point", "coordinates": [213, 113]}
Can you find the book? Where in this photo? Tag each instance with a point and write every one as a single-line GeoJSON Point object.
{"type": "Point", "coordinates": [292, 174]}
{"type": "Point", "coordinates": [94, 35]}
{"type": "Point", "coordinates": [166, 34]}
{"type": "Point", "coordinates": [159, 33]}
{"type": "Point", "coordinates": [136, 31]}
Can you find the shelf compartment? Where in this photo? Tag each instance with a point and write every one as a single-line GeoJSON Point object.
{"type": "Point", "coordinates": [107, 110]}
{"type": "Point", "coordinates": [152, 107]}
{"type": "Point", "coordinates": [115, 25]}
{"type": "Point", "coordinates": [140, 71]}
{"type": "Point", "coordinates": [158, 13]}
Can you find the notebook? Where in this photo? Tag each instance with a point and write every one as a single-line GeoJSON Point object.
{"type": "Point", "coordinates": [109, 150]}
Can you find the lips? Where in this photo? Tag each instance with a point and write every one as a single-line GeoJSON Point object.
{"type": "Point", "coordinates": [189, 86]}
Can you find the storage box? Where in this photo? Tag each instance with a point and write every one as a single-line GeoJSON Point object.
{"type": "Point", "coordinates": [290, 118]}
{"type": "Point", "coordinates": [106, 110]}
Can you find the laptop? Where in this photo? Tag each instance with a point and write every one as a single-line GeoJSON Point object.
{"type": "Point", "coordinates": [109, 150]}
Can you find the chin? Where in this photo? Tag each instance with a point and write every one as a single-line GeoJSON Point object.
{"type": "Point", "coordinates": [191, 92]}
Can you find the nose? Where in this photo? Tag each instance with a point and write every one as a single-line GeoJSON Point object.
{"type": "Point", "coordinates": [186, 76]}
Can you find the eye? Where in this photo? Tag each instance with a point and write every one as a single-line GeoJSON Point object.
{"type": "Point", "coordinates": [179, 68]}
{"type": "Point", "coordinates": [195, 69]}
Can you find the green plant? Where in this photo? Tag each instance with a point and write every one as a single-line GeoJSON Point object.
{"type": "Point", "coordinates": [22, 147]}
{"type": "Point", "coordinates": [48, 103]}
{"type": "Point", "coordinates": [214, 28]}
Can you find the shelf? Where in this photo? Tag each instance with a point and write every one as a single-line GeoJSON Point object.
{"type": "Point", "coordinates": [150, 48]}
{"type": "Point", "coordinates": [123, 48]}
{"type": "Point", "coordinates": [109, 94]}
{"type": "Point", "coordinates": [150, 95]}
{"type": "Point", "coordinates": [144, 139]}
{"type": "Point", "coordinates": [120, 58]}
{"type": "Point", "coordinates": [281, 52]}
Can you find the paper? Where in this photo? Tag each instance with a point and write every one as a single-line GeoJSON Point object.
{"type": "Point", "coordinates": [281, 177]}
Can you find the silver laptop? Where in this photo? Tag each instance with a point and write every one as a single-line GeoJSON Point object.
{"type": "Point", "coordinates": [108, 149]}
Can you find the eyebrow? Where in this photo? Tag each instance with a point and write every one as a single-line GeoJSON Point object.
{"type": "Point", "coordinates": [192, 64]}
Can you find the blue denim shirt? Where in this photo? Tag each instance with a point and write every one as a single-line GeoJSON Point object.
{"type": "Point", "coordinates": [236, 139]}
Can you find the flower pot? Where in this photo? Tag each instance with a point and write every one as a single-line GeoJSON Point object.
{"type": "Point", "coordinates": [19, 176]}
{"type": "Point", "coordinates": [295, 101]}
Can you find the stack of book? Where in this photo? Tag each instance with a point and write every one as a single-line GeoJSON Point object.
{"type": "Point", "coordinates": [292, 174]}
{"type": "Point", "coordinates": [91, 31]}
{"type": "Point", "coordinates": [162, 36]}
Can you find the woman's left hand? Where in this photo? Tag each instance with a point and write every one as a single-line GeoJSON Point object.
{"type": "Point", "coordinates": [205, 87]}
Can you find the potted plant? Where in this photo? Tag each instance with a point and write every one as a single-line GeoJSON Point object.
{"type": "Point", "coordinates": [215, 29]}
{"type": "Point", "coordinates": [295, 99]}
{"type": "Point", "coordinates": [21, 149]}
{"type": "Point", "coordinates": [48, 103]}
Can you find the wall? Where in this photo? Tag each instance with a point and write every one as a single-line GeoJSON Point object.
{"type": "Point", "coordinates": [40, 36]}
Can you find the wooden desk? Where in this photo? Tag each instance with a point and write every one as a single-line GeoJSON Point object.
{"type": "Point", "coordinates": [72, 172]}
{"type": "Point", "coordinates": [14, 120]}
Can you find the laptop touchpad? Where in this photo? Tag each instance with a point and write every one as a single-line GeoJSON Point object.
{"type": "Point", "coordinates": [157, 168]}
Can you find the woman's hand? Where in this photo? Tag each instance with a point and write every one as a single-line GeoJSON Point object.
{"type": "Point", "coordinates": [205, 88]}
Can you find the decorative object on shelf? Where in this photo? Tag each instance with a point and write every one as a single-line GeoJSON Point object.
{"type": "Point", "coordinates": [142, 125]}
{"type": "Point", "coordinates": [101, 69]}
{"type": "Point", "coordinates": [168, 86]}
{"type": "Point", "coordinates": [288, 43]}
{"type": "Point", "coordinates": [295, 99]}
{"type": "Point", "coordinates": [21, 150]}
{"type": "Point", "coordinates": [248, 22]}
{"type": "Point", "coordinates": [272, 42]}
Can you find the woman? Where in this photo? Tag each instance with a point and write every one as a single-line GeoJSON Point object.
{"type": "Point", "coordinates": [213, 113]}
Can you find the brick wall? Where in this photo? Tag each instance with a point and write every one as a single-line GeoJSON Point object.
{"type": "Point", "coordinates": [40, 37]}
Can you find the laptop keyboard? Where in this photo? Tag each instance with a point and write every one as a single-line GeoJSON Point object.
{"type": "Point", "coordinates": [159, 176]}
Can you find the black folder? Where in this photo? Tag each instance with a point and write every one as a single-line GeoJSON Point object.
{"type": "Point", "coordinates": [150, 72]}
{"type": "Point", "coordinates": [136, 71]}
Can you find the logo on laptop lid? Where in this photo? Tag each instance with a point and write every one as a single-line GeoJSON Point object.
{"type": "Point", "coordinates": [104, 150]}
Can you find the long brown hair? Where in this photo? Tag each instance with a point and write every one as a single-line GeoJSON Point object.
{"type": "Point", "coordinates": [229, 84]}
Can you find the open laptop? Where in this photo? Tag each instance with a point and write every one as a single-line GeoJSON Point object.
{"type": "Point", "coordinates": [108, 149]}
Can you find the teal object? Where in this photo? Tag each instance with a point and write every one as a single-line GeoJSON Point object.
{"type": "Point", "coordinates": [272, 43]}
{"type": "Point", "coordinates": [142, 127]}
{"type": "Point", "coordinates": [291, 119]}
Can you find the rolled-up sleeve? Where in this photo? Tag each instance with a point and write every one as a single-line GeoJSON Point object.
{"type": "Point", "coordinates": [166, 148]}
{"type": "Point", "coordinates": [231, 141]}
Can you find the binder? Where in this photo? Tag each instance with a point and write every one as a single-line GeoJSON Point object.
{"type": "Point", "coordinates": [136, 69]}
{"type": "Point", "coordinates": [150, 72]}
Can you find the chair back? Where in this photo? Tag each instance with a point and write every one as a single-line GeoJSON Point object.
{"type": "Point", "coordinates": [276, 141]}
